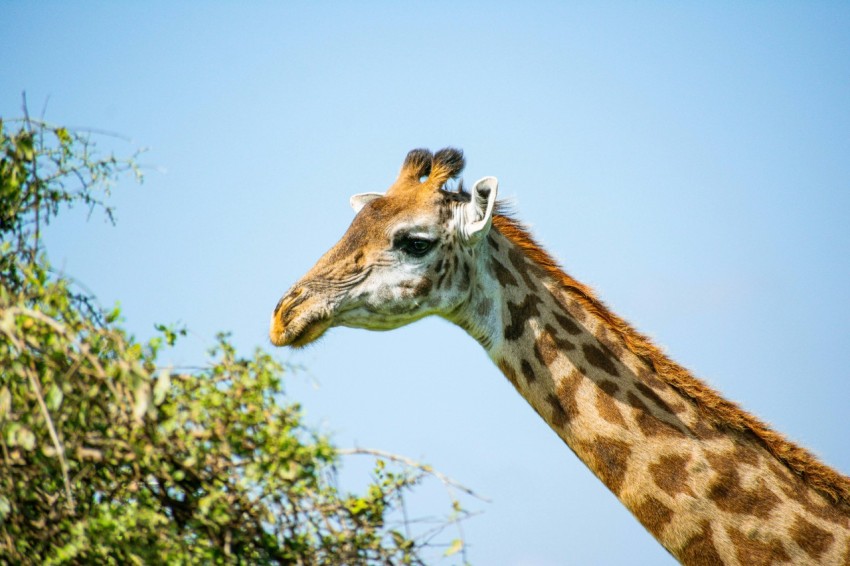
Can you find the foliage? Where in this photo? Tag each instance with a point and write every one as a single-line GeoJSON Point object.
{"type": "Point", "coordinates": [43, 167]}
{"type": "Point", "coordinates": [105, 457]}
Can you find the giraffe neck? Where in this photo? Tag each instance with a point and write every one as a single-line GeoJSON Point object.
{"type": "Point", "coordinates": [710, 482]}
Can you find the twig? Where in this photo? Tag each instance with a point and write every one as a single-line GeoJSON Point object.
{"type": "Point", "coordinates": [413, 464]}
{"type": "Point", "coordinates": [60, 449]}
{"type": "Point", "coordinates": [36, 191]}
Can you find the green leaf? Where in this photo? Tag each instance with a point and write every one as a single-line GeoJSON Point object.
{"type": "Point", "coordinates": [114, 314]}
{"type": "Point", "coordinates": [53, 398]}
{"type": "Point", "coordinates": [5, 402]}
{"type": "Point", "coordinates": [25, 146]}
{"type": "Point", "coordinates": [26, 439]}
{"type": "Point", "coordinates": [357, 506]}
{"type": "Point", "coordinates": [398, 538]}
{"type": "Point", "coordinates": [141, 400]}
{"type": "Point", "coordinates": [19, 435]}
{"type": "Point", "coordinates": [63, 135]}
{"type": "Point", "coordinates": [454, 548]}
{"type": "Point", "coordinates": [163, 384]}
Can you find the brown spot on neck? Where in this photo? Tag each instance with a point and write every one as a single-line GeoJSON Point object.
{"type": "Point", "coordinates": [754, 552]}
{"type": "Point", "coordinates": [605, 404]}
{"type": "Point", "coordinates": [700, 549]}
{"type": "Point", "coordinates": [653, 515]}
{"type": "Point", "coordinates": [793, 487]}
{"type": "Point", "coordinates": [548, 344]}
{"type": "Point", "coordinates": [520, 315]}
{"type": "Point", "coordinates": [559, 415]}
{"type": "Point", "coordinates": [509, 372]}
{"type": "Point", "coordinates": [566, 389]}
{"type": "Point", "coordinates": [609, 459]}
{"type": "Point", "coordinates": [502, 274]}
{"type": "Point", "coordinates": [600, 359]}
{"type": "Point", "coordinates": [528, 372]}
{"type": "Point", "coordinates": [522, 267]}
{"type": "Point", "coordinates": [492, 240]}
{"type": "Point", "coordinates": [727, 492]}
{"type": "Point", "coordinates": [813, 540]}
{"type": "Point", "coordinates": [653, 397]}
{"type": "Point", "coordinates": [484, 306]}
{"type": "Point", "coordinates": [649, 424]}
{"type": "Point", "coordinates": [671, 475]}
{"type": "Point", "coordinates": [567, 323]}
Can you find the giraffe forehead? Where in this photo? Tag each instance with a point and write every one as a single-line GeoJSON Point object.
{"type": "Point", "coordinates": [385, 216]}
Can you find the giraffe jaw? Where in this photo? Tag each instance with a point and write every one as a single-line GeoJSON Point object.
{"type": "Point", "coordinates": [300, 333]}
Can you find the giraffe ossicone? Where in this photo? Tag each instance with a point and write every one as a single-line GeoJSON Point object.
{"type": "Point", "coordinates": [712, 483]}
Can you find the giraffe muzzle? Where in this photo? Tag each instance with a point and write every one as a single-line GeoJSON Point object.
{"type": "Point", "coordinates": [298, 319]}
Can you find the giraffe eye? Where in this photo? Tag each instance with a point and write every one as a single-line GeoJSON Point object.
{"type": "Point", "coordinates": [417, 247]}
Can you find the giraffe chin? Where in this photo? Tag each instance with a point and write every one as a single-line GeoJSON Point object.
{"type": "Point", "coordinates": [302, 334]}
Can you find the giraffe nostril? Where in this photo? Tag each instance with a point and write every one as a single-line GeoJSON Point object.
{"type": "Point", "coordinates": [277, 307]}
{"type": "Point", "coordinates": [290, 300]}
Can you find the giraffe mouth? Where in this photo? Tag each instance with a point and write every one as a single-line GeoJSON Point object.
{"type": "Point", "coordinates": [309, 332]}
{"type": "Point", "coordinates": [297, 319]}
{"type": "Point", "coordinates": [300, 332]}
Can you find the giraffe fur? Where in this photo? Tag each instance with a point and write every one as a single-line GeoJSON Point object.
{"type": "Point", "coordinates": [711, 482]}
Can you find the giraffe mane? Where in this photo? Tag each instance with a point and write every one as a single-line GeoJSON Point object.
{"type": "Point", "coordinates": [799, 460]}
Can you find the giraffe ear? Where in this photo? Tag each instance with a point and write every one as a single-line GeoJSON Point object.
{"type": "Point", "coordinates": [479, 210]}
{"type": "Point", "coordinates": [360, 200]}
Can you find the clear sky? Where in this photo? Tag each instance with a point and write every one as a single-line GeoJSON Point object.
{"type": "Point", "coordinates": [690, 161]}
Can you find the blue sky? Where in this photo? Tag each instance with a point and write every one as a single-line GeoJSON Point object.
{"type": "Point", "coordinates": [689, 161]}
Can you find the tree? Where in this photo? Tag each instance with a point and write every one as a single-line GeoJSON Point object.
{"type": "Point", "coordinates": [107, 458]}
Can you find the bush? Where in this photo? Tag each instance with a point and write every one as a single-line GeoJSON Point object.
{"type": "Point", "coordinates": [109, 458]}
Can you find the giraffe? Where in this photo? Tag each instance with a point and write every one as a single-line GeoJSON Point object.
{"type": "Point", "coordinates": [712, 483]}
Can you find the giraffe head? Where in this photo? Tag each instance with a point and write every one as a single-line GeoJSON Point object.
{"type": "Point", "coordinates": [407, 254]}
